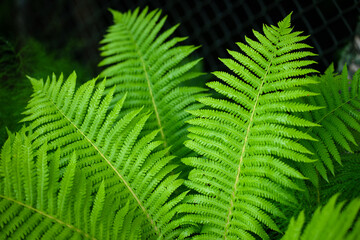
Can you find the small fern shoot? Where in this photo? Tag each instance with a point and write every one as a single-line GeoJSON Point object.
{"type": "Point", "coordinates": [249, 137]}
{"type": "Point", "coordinates": [134, 169]}
{"type": "Point", "coordinates": [152, 70]}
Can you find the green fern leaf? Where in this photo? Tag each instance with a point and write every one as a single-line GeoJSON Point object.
{"type": "Point", "coordinates": [152, 70]}
{"type": "Point", "coordinates": [331, 222]}
{"type": "Point", "coordinates": [339, 119]}
{"type": "Point", "coordinates": [23, 217]}
{"type": "Point", "coordinates": [134, 169]}
{"type": "Point", "coordinates": [249, 138]}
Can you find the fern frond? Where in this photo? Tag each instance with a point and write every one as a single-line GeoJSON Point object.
{"type": "Point", "coordinates": [334, 221]}
{"type": "Point", "coordinates": [135, 171]}
{"type": "Point", "coordinates": [52, 206]}
{"type": "Point", "coordinates": [339, 120]}
{"type": "Point", "coordinates": [152, 70]}
{"type": "Point", "coordinates": [249, 138]}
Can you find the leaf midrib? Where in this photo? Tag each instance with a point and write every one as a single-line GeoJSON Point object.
{"type": "Point", "coordinates": [73, 228]}
{"type": "Point", "coordinates": [139, 53]}
{"type": "Point", "coordinates": [243, 152]}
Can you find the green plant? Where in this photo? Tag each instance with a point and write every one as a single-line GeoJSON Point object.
{"type": "Point", "coordinates": [101, 153]}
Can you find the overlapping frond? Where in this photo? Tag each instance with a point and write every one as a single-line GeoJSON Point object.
{"type": "Point", "coordinates": [135, 171]}
{"type": "Point", "coordinates": [38, 202]}
{"type": "Point", "coordinates": [249, 137]}
{"type": "Point", "coordinates": [334, 221]}
{"type": "Point", "coordinates": [152, 70]}
{"type": "Point", "coordinates": [340, 120]}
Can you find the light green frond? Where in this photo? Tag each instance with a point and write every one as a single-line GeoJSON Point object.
{"type": "Point", "coordinates": [339, 119]}
{"type": "Point", "coordinates": [113, 153]}
{"type": "Point", "coordinates": [334, 221]}
{"type": "Point", "coordinates": [154, 71]}
{"type": "Point", "coordinates": [248, 139]}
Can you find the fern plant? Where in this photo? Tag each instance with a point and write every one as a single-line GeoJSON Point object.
{"type": "Point", "coordinates": [97, 162]}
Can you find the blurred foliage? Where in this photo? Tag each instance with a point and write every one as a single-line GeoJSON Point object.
{"type": "Point", "coordinates": [9, 62]}
{"type": "Point", "coordinates": [32, 59]}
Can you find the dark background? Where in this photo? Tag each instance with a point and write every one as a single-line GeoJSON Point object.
{"type": "Point", "coordinates": [78, 25]}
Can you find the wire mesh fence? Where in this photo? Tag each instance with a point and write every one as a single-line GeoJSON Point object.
{"type": "Point", "coordinates": [215, 25]}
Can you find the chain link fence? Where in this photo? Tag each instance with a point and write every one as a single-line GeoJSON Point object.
{"type": "Point", "coordinates": [215, 25]}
